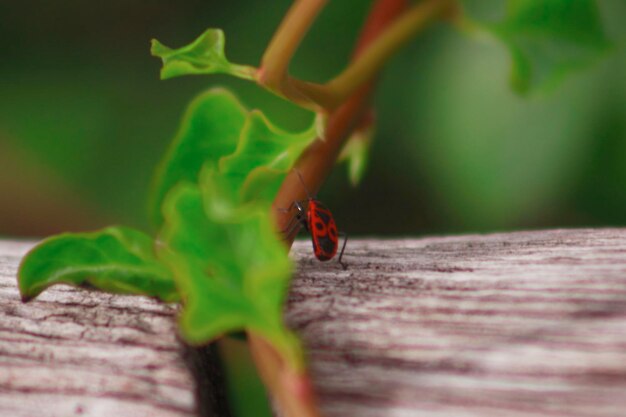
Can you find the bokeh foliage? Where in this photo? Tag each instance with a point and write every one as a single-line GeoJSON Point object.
{"type": "Point", "coordinates": [455, 149]}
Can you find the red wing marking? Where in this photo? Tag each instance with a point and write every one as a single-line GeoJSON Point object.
{"type": "Point", "coordinates": [323, 231]}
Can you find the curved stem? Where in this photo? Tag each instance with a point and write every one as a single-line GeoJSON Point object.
{"type": "Point", "coordinates": [282, 47]}
{"type": "Point", "coordinates": [385, 32]}
{"type": "Point", "coordinates": [380, 50]}
{"type": "Point", "coordinates": [293, 390]}
{"type": "Point", "coordinates": [373, 53]}
{"type": "Point", "coordinates": [318, 160]}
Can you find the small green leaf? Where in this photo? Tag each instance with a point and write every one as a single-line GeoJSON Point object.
{"type": "Point", "coordinates": [205, 55]}
{"type": "Point", "coordinates": [549, 39]}
{"type": "Point", "coordinates": [115, 259]}
{"type": "Point", "coordinates": [356, 153]}
{"type": "Point", "coordinates": [230, 265]}
{"type": "Point", "coordinates": [210, 129]}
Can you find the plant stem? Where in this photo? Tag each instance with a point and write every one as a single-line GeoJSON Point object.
{"type": "Point", "coordinates": [349, 93]}
{"type": "Point", "coordinates": [282, 47]}
{"type": "Point", "coordinates": [291, 388]}
{"type": "Point", "coordinates": [318, 160]}
{"type": "Point", "coordinates": [378, 52]}
{"type": "Point", "coordinates": [327, 97]}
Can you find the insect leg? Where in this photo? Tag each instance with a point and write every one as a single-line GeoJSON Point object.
{"type": "Point", "coordinates": [288, 209]}
{"type": "Point", "coordinates": [293, 222]}
{"type": "Point", "coordinates": [292, 230]}
{"type": "Point", "coordinates": [292, 226]}
{"type": "Point", "coordinates": [302, 182]}
{"type": "Point", "coordinates": [343, 247]}
{"type": "Point", "coordinates": [294, 219]}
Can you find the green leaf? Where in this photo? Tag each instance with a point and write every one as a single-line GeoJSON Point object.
{"type": "Point", "coordinates": [219, 241]}
{"type": "Point", "coordinates": [232, 269]}
{"type": "Point", "coordinates": [205, 55]}
{"type": "Point", "coordinates": [263, 157]}
{"type": "Point", "coordinates": [548, 40]}
{"type": "Point", "coordinates": [356, 153]}
{"type": "Point", "coordinates": [115, 259]}
{"type": "Point", "coordinates": [217, 233]}
{"type": "Point", "coordinates": [210, 129]}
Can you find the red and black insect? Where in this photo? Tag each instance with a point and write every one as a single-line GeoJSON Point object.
{"type": "Point", "coordinates": [319, 222]}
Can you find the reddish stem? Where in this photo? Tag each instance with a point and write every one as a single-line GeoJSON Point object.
{"type": "Point", "coordinates": [293, 390]}
{"type": "Point", "coordinates": [380, 16]}
{"type": "Point", "coordinates": [317, 161]}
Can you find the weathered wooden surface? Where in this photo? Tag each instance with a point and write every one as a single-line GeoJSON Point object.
{"type": "Point", "coordinates": [522, 324]}
{"type": "Point", "coordinates": [74, 352]}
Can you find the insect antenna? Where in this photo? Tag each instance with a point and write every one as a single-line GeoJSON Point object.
{"type": "Point", "coordinates": [303, 184]}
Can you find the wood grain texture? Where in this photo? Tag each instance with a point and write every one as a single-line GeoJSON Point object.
{"type": "Point", "coordinates": [516, 324]}
{"type": "Point", "coordinates": [73, 352]}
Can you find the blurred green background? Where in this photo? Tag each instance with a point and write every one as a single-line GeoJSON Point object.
{"type": "Point", "coordinates": [84, 120]}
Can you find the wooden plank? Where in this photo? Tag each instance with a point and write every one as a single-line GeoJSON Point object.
{"type": "Point", "coordinates": [515, 324]}
{"type": "Point", "coordinates": [76, 352]}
